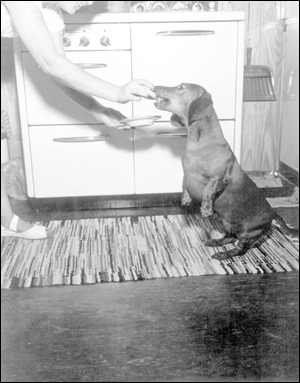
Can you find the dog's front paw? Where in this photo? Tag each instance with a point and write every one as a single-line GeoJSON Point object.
{"type": "Point", "coordinates": [212, 243]}
{"type": "Point", "coordinates": [221, 256]}
{"type": "Point", "coordinates": [206, 209]}
{"type": "Point", "coordinates": [186, 202]}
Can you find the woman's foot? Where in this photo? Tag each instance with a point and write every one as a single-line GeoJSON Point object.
{"type": "Point", "coordinates": [22, 229]}
{"type": "Point", "coordinates": [21, 226]}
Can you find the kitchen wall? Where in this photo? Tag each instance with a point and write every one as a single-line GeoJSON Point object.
{"type": "Point", "coordinates": [262, 121]}
{"type": "Point", "coordinates": [289, 143]}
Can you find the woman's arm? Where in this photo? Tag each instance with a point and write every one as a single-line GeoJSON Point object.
{"type": "Point", "coordinates": [30, 25]}
{"type": "Point", "coordinates": [108, 116]}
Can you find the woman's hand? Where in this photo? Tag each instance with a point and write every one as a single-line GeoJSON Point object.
{"type": "Point", "coordinates": [134, 90]}
{"type": "Point", "coordinates": [110, 117]}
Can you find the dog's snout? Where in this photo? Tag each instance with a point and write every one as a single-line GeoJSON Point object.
{"type": "Point", "coordinates": [157, 88]}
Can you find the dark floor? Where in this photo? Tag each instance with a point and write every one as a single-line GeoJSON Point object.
{"type": "Point", "coordinates": [213, 328]}
{"type": "Point", "coordinates": [191, 329]}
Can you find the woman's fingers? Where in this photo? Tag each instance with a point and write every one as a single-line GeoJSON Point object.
{"type": "Point", "coordinates": [135, 89]}
{"type": "Point", "coordinates": [146, 83]}
{"type": "Point", "coordinates": [143, 92]}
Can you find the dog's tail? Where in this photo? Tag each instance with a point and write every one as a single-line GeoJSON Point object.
{"type": "Point", "coordinates": [290, 231]}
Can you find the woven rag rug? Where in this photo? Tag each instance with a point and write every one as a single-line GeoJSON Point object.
{"type": "Point", "coordinates": [134, 248]}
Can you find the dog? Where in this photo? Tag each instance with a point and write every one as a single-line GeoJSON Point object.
{"type": "Point", "coordinates": [212, 174]}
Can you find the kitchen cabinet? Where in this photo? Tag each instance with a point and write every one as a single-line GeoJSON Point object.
{"type": "Point", "coordinates": [81, 160]}
{"type": "Point", "coordinates": [64, 154]}
{"type": "Point", "coordinates": [203, 53]}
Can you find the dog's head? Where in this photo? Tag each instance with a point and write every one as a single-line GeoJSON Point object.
{"type": "Point", "coordinates": [187, 103]}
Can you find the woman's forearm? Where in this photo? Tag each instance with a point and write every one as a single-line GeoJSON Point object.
{"type": "Point", "coordinates": [109, 116]}
{"type": "Point", "coordinates": [65, 72]}
{"type": "Point", "coordinates": [85, 101]}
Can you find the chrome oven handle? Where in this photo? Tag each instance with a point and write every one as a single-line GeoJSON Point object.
{"type": "Point", "coordinates": [172, 135]}
{"type": "Point", "coordinates": [187, 32]}
{"type": "Point", "coordinates": [91, 65]}
{"type": "Point", "coordinates": [82, 139]}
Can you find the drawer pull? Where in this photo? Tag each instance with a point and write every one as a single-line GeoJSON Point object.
{"type": "Point", "coordinates": [186, 33]}
{"type": "Point", "coordinates": [172, 135]}
{"type": "Point", "coordinates": [82, 139]}
{"type": "Point", "coordinates": [91, 65]}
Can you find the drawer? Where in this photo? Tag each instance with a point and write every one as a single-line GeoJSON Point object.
{"type": "Point", "coordinates": [203, 53]}
{"type": "Point", "coordinates": [66, 169]}
{"type": "Point", "coordinates": [158, 151]}
{"type": "Point", "coordinates": [47, 105]}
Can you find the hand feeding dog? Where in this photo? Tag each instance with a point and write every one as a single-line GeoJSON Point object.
{"type": "Point", "coordinates": [212, 174]}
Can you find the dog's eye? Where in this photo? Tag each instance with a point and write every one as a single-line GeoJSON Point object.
{"type": "Point", "coordinates": [181, 86]}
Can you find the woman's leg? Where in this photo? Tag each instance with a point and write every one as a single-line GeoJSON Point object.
{"type": "Point", "coordinates": [6, 212]}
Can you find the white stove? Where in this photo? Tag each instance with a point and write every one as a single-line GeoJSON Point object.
{"type": "Point", "coordinates": [68, 153]}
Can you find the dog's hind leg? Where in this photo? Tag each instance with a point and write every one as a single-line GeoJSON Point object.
{"type": "Point", "coordinates": [228, 238]}
{"type": "Point", "coordinates": [241, 248]}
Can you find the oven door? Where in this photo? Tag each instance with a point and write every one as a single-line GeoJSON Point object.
{"type": "Point", "coordinates": [47, 105]}
{"type": "Point", "coordinates": [81, 160]}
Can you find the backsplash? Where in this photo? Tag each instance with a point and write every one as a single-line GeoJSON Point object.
{"type": "Point", "coordinates": [149, 6]}
{"type": "Point", "coordinates": [163, 6]}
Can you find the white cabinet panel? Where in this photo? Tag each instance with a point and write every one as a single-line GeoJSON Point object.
{"type": "Point", "coordinates": [63, 169]}
{"type": "Point", "coordinates": [157, 159]}
{"type": "Point", "coordinates": [158, 151]}
{"type": "Point", "coordinates": [47, 105]}
{"type": "Point", "coordinates": [204, 53]}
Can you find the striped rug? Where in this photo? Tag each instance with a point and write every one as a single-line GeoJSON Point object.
{"type": "Point", "coordinates": [133, 248]}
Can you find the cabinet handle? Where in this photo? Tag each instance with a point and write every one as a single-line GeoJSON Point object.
{"type": "Point", "coordinates": [91, 65]}
{"type": "Point", "coordinates": [172, 135]}
{"type": "Point", "coordinates": [293, 80]}
{"type": "Point", "coordinates": [185, 33]}
{"type": "Point", "coordinates": [82, 139]}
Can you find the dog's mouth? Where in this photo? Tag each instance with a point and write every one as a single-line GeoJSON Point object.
{"type": "Point", "coordinates": [161, 102]}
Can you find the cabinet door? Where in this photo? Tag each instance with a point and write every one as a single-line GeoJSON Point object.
{"type": "Point", "coordinates": [157, 157]}
{"type": "Point", "coordinates": [70, 161]}
{"type": "Point", "coordinates": [47, 105]}
{"type": "Point", "coordinates": [204, 53]}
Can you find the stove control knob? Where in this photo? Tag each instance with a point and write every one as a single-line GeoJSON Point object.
{"type": "Point", "coordinates": [67, 42]}
{"type": "Point", "coordinates": [84, 41]}
{"type": "Point", "coordinates": [105, 41]}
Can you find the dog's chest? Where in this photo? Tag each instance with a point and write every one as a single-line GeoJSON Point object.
{"type": "Point", "coordinates": [195, 174]}
{"type": "Point", "coordinates": [201, 160]}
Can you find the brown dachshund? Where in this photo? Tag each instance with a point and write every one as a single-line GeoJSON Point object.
{"type": "Point", "coordinates": [212, 174]}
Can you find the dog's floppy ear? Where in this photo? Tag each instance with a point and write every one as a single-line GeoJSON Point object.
{"type": "Point", "coordinates": [201, 108]}
{"type": "Point", "coordinates": [176, 121]}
